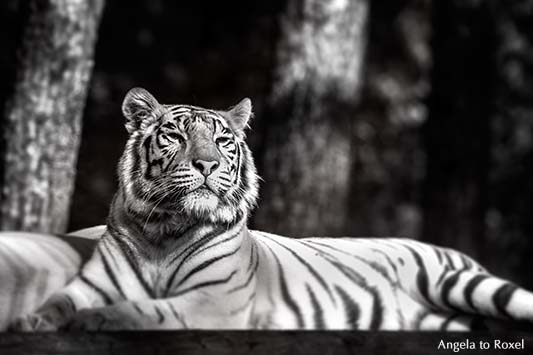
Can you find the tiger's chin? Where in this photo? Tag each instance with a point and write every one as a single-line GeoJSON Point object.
{"type": "Point", "coordinates": [204, 204]}
{"type": "Point", "coordinates": [200, 202]}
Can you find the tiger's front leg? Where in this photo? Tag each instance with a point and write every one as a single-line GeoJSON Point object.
{"type": "Point", "coordinates": [195, 310]}
{"type": "Point", "coordinates": [87, 290]}
{"type": "Point", "coordinates": [58, 309]}
{"type": "Point", "coordinates": [128, 315]}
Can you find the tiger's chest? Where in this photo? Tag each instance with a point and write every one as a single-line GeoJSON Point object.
{"type": "Point", "coordinates": [154, 276]}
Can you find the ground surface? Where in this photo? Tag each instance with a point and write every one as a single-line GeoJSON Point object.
{"type": "Point", "coordinates": [263, 342]}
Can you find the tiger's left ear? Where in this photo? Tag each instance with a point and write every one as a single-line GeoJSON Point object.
{"type": "Point", "coordinates": [239, 116]}
{"type": "Point", "coordinates": [138, 106]}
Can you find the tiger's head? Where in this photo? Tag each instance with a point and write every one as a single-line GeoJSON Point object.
{"type": "Point", "coordinates": [187, 160]}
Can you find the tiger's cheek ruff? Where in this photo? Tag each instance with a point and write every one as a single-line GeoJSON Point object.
{"type": "Point", "coordinates": [244, 192]}
{"type": "Point", "coordinates": [153, 158]}
{"type": "Point", "coordinates": [131, 168]}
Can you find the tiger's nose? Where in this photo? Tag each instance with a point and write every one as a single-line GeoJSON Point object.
{"type": "Point", "coordinates": [204, 166]}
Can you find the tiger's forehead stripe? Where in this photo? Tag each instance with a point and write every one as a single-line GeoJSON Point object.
{"type": "Point", "coordinates": [182, 114]}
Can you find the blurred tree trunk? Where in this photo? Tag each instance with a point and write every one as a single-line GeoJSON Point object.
{"type": "Point", "coordinates": [305, 161]}
{"type": "Point", "coordinates": [458, 127]}
{"type": "Point", "coordinates": [43, 116]}
{"type": "Point", "coordinates": [388, 161]}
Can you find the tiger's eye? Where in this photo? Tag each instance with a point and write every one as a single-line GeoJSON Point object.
{"type": "Point", "coordinates": [222, 140]}
{"type": "Point", "coordinates": [176, 136]}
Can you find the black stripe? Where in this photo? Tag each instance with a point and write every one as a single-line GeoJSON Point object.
{"type": "Point", "coordinates": [446, 288]}
{"type": "Point", "coordinates": [422, 279]}
{"type": "Point", "coordinates": [183, 232]}
{"type": "Point", "coordinates": [138, 309]}
{"type": "Point", "coordinates": [130, 176]}
{"type": "Point", "coordinates": [205, 284]}
{"type": "Point", "coordinates": [419, 318]}
{"type": "Point", "coordinates": [189, 251]}
{"type": "Point", "coordinates": [170, 160]}
{"type": "Point", "coordinates": [253, 252]}
{"type": "Point", "coordinates": [389, 261]}
{"type": "Point", "coordinates": [357, 278]}
{"type": "Point", "coordinates": [131, 259]}
{"type": "Point", "coordinates": [248, 280]}
{"type": "Point", "coordinates": [380, 269]}
{"type": "Point", "coordinates": [109, 248]}
{"type": "Point", "coordinates": [438, 252]}
{"type": "Point", "coordinates": [378, 307]}
{"type": "Point", "coordinates": [352, 310]}
{"type": "Point", "coordinates": [174, 108]}
{"type": "Point", "coordinates": [285, 292]}
{"type": "Point", "coordinates": [468, 291]}
{"type": "Point", "coordinates": [245, 305]}
{"type": "Point", "coordinates": [227, 239]}
{"type": "Point", "coordinates": [318, 312]}
{"type": "Point", "coordinates": [466, 262]}
{"type": "Point", "coordinates": [169, 125]}
{"type": "Point", "coordinates": [242, 168]}
{"type": "Point", "coordinates": [146, 145]}
{"type": "Point", "coordinates": [502, 297]}
{"type": "Point", "coordinates": [176, 315]}
{"type": "Point", "coordinates": [160, 315]}
{"type": "Point", "coordinates": [449, 259]}
{"type": "Point", "coordinates": [106, 298]}
{"type": "Point", "coordinates": [445, 270]}
{"type": "Point", "coordinates": [71, 302]}
{"type": "Point", "coordinates": [313, 272]}
{"type": "Point", "coordinates": [206, 264]}
{"type": "Point", "coordinates": [109, 271]}
{"type": "Point", "coordinates": [224, 178]}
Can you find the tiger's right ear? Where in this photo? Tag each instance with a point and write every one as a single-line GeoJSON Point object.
{"type": "Point", "coordinates": [137, 106]}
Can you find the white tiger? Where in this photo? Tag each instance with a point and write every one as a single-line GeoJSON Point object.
{"type": "Point", "coordinates": [177, 252]}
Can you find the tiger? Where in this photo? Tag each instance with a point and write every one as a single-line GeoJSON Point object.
{"type": "Point", "coordinates": [176, 252]}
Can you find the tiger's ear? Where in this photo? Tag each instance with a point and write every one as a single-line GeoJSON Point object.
{"type": "Point", "coordinates": [138, 105]}
{"type": "Point", "coordinates": [239, 116]}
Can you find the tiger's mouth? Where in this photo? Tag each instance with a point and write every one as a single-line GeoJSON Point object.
{"type": "Point", "coordinates": [204, 190]}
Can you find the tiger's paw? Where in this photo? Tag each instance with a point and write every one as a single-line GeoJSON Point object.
{"type": "Point", "coordinates": [91, 320]}
{"type": "Point", "coordinates": [32, 323]}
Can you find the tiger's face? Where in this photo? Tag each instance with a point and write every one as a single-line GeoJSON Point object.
{"type": "Point", "coordinates": [187, 160]}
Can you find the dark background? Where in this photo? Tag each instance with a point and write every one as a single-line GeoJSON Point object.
{"type": "Point", "coordinates": [442, 131]}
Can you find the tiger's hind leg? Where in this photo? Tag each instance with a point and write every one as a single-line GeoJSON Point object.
{"type": "Point", "coordinates": [483, 294]}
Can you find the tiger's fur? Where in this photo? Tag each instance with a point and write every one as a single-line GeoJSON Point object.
{"type": "Point", "coordinates": [177, 252]}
